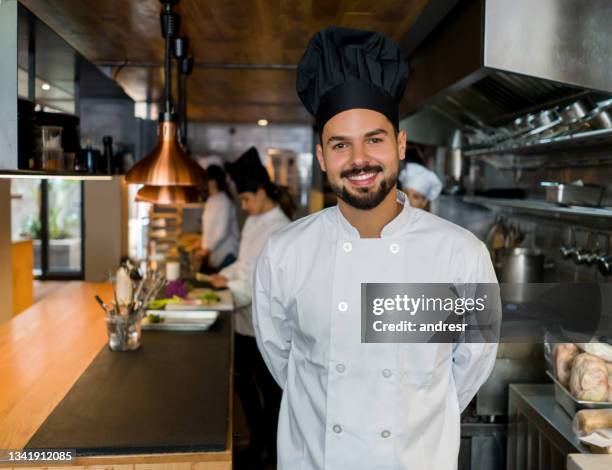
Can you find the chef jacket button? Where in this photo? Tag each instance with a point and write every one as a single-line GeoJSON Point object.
{"type": "Point", "coordinates": [337, 428]}
{"type": "Point", "coordinates": [340, 368]}
{"type": "Point", "coordinates": [347, 246]}
{"type": "Point", "coordinates": [385, 434]}
{"type": "Point", "coordinates": [394, 247]}
{"type": "Point", "coordinates": [386, 373]}
{"type": "Point", "coordinates": [342, 306]}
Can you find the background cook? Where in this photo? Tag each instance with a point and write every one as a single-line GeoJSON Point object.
{"type": "Point", "coordinates": [421, 185]}
{"type": "Point", "coordinates": [256, 389]}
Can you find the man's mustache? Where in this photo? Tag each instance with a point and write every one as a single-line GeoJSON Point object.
{"type": "Point", "coordinates": [363, 169]}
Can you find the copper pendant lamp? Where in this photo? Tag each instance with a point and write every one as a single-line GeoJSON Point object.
{"type": "Point", "coordinates": [165, 195]}
{"type": "Point", "coordinates": [167, 165]}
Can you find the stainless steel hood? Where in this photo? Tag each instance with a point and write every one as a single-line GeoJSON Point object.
{"type": "Point", "coordinates": [488, 61]}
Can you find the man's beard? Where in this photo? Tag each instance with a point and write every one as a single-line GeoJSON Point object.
{"type": "Point", "coordinates": [366, 199]}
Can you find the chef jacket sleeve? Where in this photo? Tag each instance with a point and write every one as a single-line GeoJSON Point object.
{"type": "Point", "coordinates": [239, 275]}
{"type": "Point", "coordinates": [241, 285]}
{"type": "Point", "coordinates": [231, 271]}
{"type": "Point", "coordinates": [473, 362]}
{"type": "Point", "coordinates": [270, 320]}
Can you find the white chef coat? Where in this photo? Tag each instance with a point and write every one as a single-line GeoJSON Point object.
{"type": "Point", "coordinates": [348, 405]}
{"type": "Point", "coordinates": [219, 228]}
{"type": "Point", "coordinates": [255, 233]}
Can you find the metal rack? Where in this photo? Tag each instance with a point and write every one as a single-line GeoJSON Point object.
{"type": "Point", "coordinates": [541, 207]}
{"type": "Point", "coordinates": [577, 140]}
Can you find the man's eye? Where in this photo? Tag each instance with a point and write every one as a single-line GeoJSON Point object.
{"type": "Point", "coordinates": [374, 140]}
{"type": "Point", "coordinates": [340, 146]}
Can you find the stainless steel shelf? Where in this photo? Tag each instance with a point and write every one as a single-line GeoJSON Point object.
{"type": "Point", "coordinates": [527, 205]}
{"type": "Point", "coordinates": [564, 142]}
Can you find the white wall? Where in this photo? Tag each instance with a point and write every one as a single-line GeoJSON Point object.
{"type": "Point", "coordinates": [6, 266]}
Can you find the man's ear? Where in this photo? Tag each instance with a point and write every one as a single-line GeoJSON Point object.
{"type": "Point", "coordinates": [401, 144]}
{"type": "Point", "coordinates": [320, 157]}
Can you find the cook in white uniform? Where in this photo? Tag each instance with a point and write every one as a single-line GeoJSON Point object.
{"type": "Point", "coordinates": [420, 184]}
{"type": "Point", "coordinates": [258, 393]}
{"type": "Point", "coordinates": [347, 404]}
{"type": "Point", "coordinates": [219, 223]}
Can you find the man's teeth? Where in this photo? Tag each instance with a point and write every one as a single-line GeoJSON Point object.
{"type": "Point", "coordinates": [363, 176]}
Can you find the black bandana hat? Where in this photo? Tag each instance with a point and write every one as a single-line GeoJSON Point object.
{"type": "Point", "coordinates": [247, 172]}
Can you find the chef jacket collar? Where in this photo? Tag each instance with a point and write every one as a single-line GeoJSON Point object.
{"type": "Point", "coordinates": [394, 228]}
{"type": "Point", "coordinates": [267, 216]}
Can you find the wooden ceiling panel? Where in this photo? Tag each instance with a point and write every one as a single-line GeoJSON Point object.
{"type": "Point", "coordinates": [125, 34]}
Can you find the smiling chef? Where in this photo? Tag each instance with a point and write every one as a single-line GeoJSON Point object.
{"type": "Point", "coordinates": [346, 404]}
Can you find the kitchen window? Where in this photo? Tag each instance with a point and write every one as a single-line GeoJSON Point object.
{"type": "Point", "coordinates": [50, 213]}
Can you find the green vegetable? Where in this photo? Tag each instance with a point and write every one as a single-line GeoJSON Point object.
{"type": "Point", "coordinates": [210, 297]}
{"type": "Point", "coordinates": [152, 318]}
{"type": "Point", "coordinates": [161, 303]}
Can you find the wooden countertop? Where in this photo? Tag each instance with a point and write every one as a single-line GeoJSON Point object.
{"type": "Point", "coordinates": [44, 350]}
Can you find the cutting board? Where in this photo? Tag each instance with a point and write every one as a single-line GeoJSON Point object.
{"type": "Point", "coordinates": [225, 305]}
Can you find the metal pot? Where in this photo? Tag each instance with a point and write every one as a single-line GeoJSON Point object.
{"type": "Point", "coordinates": [574, 112]}
{"type": "Point", "coordinates": [600, 117]}
{"type": "Point", "coordinates": [521, 265]}
{"type": "Point", "coordinates": [518, 268]}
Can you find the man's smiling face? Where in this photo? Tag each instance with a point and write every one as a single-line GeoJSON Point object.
{"type": "Point", "coordinates": [360, 153]}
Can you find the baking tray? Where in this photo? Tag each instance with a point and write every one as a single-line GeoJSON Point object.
{"type": "Point", "coordinates": [573, 195]}
{"type": "Point", "coordinates": [565, 399]}
{"type": "Point", "coordinates": [180, 320]}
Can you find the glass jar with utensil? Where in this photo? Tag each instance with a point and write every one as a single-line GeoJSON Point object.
{"type": "Point", "coordinates": [124, 316]}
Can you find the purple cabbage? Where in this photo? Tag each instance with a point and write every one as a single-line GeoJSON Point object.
{"type": "Point", "coordinates": [178, 288]}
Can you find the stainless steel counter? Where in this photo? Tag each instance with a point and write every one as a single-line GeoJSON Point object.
{"type": "Point", "coordinates": [539, 431]}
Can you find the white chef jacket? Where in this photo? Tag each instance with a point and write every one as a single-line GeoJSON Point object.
{"type": "Point", "coordinates": [255, 233]}
{"type": "Point", "coordinates": [219, 228]}
{"type": "Point", "coordinates": [348, 405]}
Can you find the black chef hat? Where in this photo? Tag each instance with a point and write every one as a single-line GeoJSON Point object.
{"type": "Point", "coordinates": [247, 172]}
{"type": "Point", "coordinates": [345, 68]}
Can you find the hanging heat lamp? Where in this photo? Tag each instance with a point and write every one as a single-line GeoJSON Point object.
{"type": "Point", "coordinates": [163, 195]}
{"type": "Point", "coordinates": [167, 165]}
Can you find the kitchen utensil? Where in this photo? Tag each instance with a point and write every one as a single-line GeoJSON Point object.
{"type": "Point", "coordinates": [124, 332]}
{"type": "Point", "coordinates": [574, 112]}
{"type": "Point", "coordinates": [521, 265]}
{"type": "Point", "coordinates": [568, 250]}
{"type": "Point", "coordinates": [600, 117]}
{"type": "Point", "coordinates": [546, 121]}
{"type": "Point", "coordinates": [604, 264]}
{"type": "Point", "coordinates": [518, 268]}
{"type": "Point", "coordinates": [573, 194]}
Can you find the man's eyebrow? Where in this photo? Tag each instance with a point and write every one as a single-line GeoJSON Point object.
{"type": "Point", "coordinates": [375, 132]}
{"type": "Point", "coordinates": [342, 138]}
{"type": "Point", "coordinates": [336, 138]}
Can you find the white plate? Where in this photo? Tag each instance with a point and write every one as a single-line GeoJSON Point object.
{"type": "Point", "coordinates": [200, 320]}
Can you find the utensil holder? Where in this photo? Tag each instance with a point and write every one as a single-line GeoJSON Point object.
{"type": "Point", "coordinates": [124, 332]}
